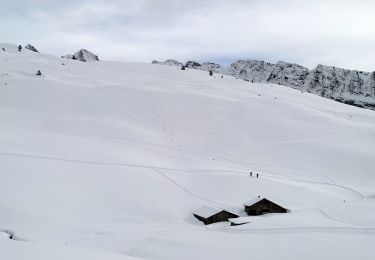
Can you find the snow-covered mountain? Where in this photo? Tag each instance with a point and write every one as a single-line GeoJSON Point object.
{"type": "Point", "coordinates": [346, 86]}
{"type": "Point", "coordinates": [108, 161]}
{"type": "Point", "coordinates": [82, 55]}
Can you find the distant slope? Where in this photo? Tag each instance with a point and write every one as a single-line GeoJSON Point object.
{"type": "Point", "coordinates": [347, 86]}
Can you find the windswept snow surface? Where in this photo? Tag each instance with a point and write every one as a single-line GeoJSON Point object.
{"type": "Point", "coordinates": [108, 161]}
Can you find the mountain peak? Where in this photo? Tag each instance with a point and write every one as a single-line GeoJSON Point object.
{"type": "Point", "coordinates": [82, 55]}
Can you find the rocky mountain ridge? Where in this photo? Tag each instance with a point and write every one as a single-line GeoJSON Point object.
{"type": "Point", "coordinates": [347, 86]}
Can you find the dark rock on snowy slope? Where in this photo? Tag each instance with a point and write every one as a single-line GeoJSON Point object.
{"type": "Point", "coordinates": [82, 55]}
{"type": "Point", "coordinates": [168, 62]}
{"type": "Point", "coordinates": [206, 66]}
{"type": "Point", "coordinates": [31, 48]}
{"type": "Point", "coordinates": [209, 66]}
{"type": "Point", "coordinates": [192, 65]}
{"type": "Point", "coordinates": [347, 86]}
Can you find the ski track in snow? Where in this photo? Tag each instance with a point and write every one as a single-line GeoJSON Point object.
{"type": "Point", "coordinates": [342, 221]}
{"type": "Point", "coordinates": [358, 194]}
{"type": "Point", "coordinates": [188, 191]}
{"type": "Point", "coordinates": [166, 168]}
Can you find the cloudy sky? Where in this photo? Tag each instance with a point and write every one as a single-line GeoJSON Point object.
{"type": "Point", "coordinates": [336, 32]}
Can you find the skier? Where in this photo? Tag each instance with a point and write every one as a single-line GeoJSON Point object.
{"type": "Point", "coordinates": [251, 174]}
{"type": "Point", "coordinates": [19, 47]}
{"type": "Point", "coordinates": [257, 175]}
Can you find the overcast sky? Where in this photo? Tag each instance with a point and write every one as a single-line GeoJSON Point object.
{"type": "Point", "coordinates": [336, 32]}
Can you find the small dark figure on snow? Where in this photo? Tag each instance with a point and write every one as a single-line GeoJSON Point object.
{"type": "Point", "coordinates": [182, 67]}
{"type": "Point", "coordinates": [211, 73]}
{"type": "Point", "coordinates": [251, 174]}
{"type": "Point", "coordinates": [19, 47]}
{"type": "Point", "coordinates": [3, 49]}
{"type": "Point", "coordinates": [74, 57]}
{"type": "Point", "coordinates": [38, 73]}
{"type": "Point", "coordinates": [257, 175]}
{"type": "Point", "coordinates": [222, 76]}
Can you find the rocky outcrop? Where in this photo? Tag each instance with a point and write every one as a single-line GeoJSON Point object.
{"type": "Point", "coordinates": [31, 48]}
{"type": "Point", "coordinates": [82, 55]}
{"type": "Point", "coordinates": [168, 62]}
{"type": "Point", "coordinates": [210, 66]}
{"type": "Point", "coordinates": [207, 66]}
{"type": "Point", "coordinates": [192, 65]}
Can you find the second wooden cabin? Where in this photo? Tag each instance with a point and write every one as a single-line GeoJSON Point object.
{"type": "Point", "coordinates": [210, 215]}
{"type": "Point", "coordinates": [260, 206]}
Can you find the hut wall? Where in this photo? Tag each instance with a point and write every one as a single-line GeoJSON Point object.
{"type": "Point", "coordinates": [221, 216]}
{"type": "Point", "coordinates": [204, 220]}
{"type": "Point", "coordinates": [264, 207]}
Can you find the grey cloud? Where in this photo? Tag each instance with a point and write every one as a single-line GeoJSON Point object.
{"type": "Point", "coordinates": [333, 32]}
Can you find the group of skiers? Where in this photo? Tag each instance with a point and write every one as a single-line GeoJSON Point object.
{"type": "Point", "coordinates": [251, 174]}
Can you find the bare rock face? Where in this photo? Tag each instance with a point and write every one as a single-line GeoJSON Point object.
{"type": "Point", "coordinates": [250, 70]}
{"type": "Point", "coordinates": [31, 48]}
{"type": "Point", "coordinates": [192, 65]}
{"type": "Point", "coordinates": [82, 55]}
{"type": "Point", "coordinates": [288, 74]}
{"type": "Point", "coordinates": [210, 66]}
{"type": "Point", "coordinates": [168, 62]}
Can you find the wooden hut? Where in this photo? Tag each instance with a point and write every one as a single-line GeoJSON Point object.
{"type": "Point", "coordinates": [261, 206]}
{"type": "Point", "coordinates": [210, 215]}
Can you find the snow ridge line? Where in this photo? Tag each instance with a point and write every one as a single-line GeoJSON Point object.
{"type": "Point", "coordinates": [107, 163]}
{"type": "Point", "coordinates": [317, 182]}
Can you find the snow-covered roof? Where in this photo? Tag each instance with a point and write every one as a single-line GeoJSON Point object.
{"type": "Point", "coordinates": [206, 211]}
{"type": "Point", "coordinates": [253, 201]}
{"type": "Point", "coordinates": [257, 199]}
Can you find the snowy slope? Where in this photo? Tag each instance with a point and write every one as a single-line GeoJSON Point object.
{"type": "Point", "coordinates": [108, 160]}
